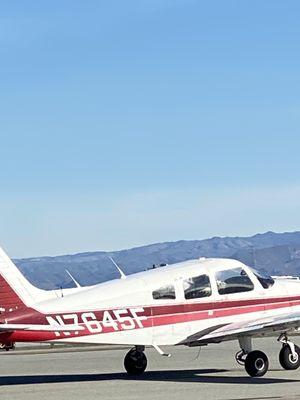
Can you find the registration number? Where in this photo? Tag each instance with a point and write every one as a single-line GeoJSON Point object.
{"type": "Point", "coordinates": [106, 321]}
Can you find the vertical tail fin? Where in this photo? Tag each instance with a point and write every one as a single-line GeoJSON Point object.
{"type": "Point", "coordinates": [15, 290]}
{"type": "Point", "coordinates": [9, 299]}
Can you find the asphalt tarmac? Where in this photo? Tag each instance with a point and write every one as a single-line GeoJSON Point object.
{"type": "Point", "coordinates": [97, 373]}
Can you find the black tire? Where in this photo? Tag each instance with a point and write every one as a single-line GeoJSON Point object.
{"type": "Point", "coordinates": [256, 363]}
{"type": "Point", "coordinates": [286, 358]}
{"type": "Point", "coordinates": [135, 362]}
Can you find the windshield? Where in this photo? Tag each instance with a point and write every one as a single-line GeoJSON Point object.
{"type": "Point", "coordinates": [265, 280]}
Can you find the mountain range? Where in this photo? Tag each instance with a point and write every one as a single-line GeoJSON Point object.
{"type": "Point", "coordinates": [274, 253]}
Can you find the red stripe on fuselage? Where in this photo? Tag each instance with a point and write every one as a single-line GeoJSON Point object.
{"type": "Point", "coordinates": [204, 306]}
{"type": "Point", "coordinates": [159, 315]}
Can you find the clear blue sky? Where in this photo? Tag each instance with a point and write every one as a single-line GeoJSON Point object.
{"type": "Point", "coordinates": [129, 122]}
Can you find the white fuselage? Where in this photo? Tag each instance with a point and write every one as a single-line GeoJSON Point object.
{"type": "Point", "coordinates": [126, 311]}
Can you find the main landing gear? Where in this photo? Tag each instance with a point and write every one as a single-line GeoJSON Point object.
{"type": "Point", "coordinates": [7, 346]}
{"type": "Point", "coordinates": [135, 361]}
{"type": "Point", "coordinates": [256, 362]}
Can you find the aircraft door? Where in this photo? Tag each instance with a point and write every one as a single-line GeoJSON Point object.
{"type": "Point", "coordinates": [199, 299]}
{"type": "Point", "coordinates": [239, 294]}
{"type": "Point", "coordinates": [168, 314]}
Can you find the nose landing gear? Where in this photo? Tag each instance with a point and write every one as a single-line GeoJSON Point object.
{"type": "Point", "coordinates": [135, 361]}
{"type": "Point", "coordinates": [289, 355]}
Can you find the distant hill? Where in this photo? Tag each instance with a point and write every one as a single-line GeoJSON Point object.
{"type": "Point", "coordinates": [275, 253]}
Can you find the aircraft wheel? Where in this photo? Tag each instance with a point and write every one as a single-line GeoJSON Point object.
{"type": "Point", "coordinates": [256, 363]}
{"type": "Point", "coordinates": [135, 362]}
{"type": "Point", "coordinates": [286, 359]}
{"type": "Point", "coordinates": [7, 346]}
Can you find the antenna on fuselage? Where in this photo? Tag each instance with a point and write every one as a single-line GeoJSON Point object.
{"type": "Point", "coordinates": [73, 279]}
{"type": "Point", "coordinates": [123, 276]}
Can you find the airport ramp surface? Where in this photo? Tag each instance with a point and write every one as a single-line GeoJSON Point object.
{"type": "Point", "coordinates": [95, 373]}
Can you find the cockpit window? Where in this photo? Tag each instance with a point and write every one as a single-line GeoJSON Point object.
{"type": "Point", "coordinates": [197, 287]}
{"type": "Point", "coordinates": [265, 280]}
{"type": "Point", "coordinates": [233, 280]}
{"type": "Point", "coordinates": [166, 292]}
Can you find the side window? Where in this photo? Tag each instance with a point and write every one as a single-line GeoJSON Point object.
{"type": "Point", "coordinates": [266, 281]}
{"type": "Point", "coordinates": [164, 293]}
{"type": "Point", "coordinates": [233, 281]}
{"type": "Point", "coordinates": [197, 287]}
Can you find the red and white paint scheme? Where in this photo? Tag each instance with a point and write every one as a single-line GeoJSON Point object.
{"type": "Point", "coordinates": [193, 303]}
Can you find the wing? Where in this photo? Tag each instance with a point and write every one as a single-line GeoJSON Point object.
{"type": "Point", "coordinates": [41, 328]}
{"type": "Point", "coordinates": [258, 327]}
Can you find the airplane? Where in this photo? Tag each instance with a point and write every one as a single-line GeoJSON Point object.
{"type": "Point", "coordinates": [192, 303]}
